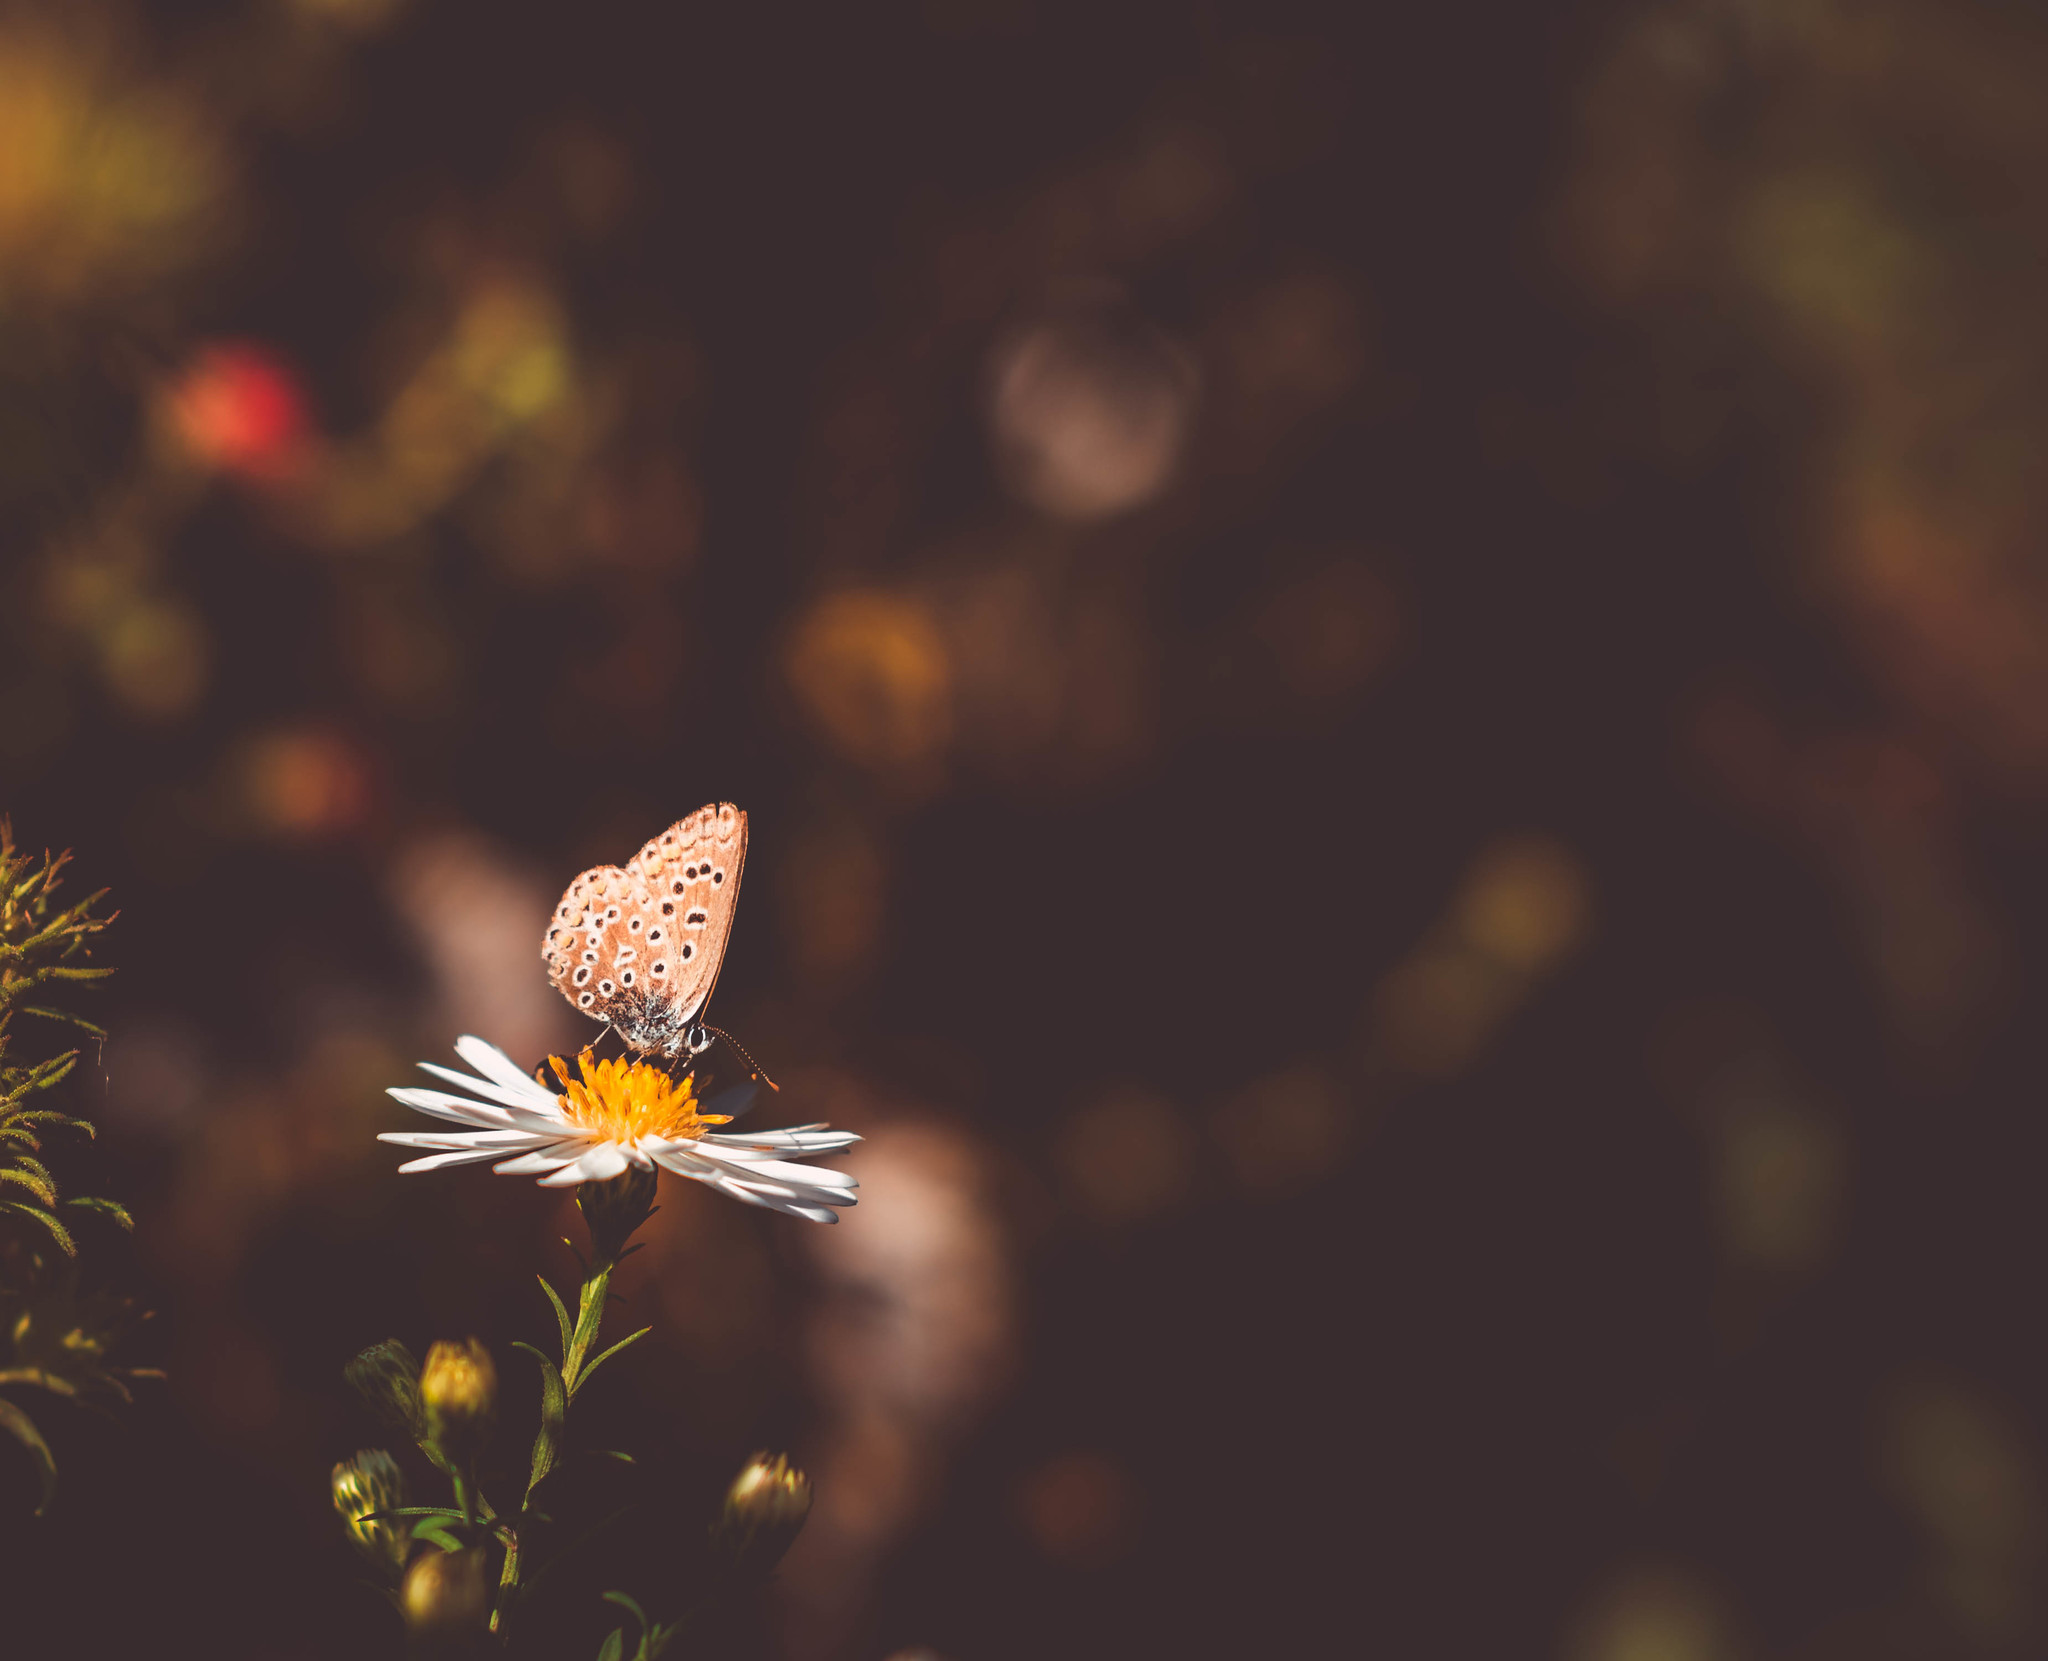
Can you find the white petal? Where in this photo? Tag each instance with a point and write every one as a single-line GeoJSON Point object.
{"type": "Point", "coordinates": [600, 1163]}
{"type": "Point", "coordinates": [779, 1191]}
{"type": "Point", "coordinates": [788, 1208]}
{"type": "Point", "coordinates": [533, 1102]}
{"type": "Point", "coordinates": [500, 1140]}
{"type": "Point", "coordinates": [500, 1068]}
{"type": "Point", "coordinates": [442, 1106]}
{"type": "Point", "coordinates": [464, 1111]}
{"type": "Point", "coordinates": [677, 1157]}
{"type": "Point", "coordinates": [796, 1139]}
{"type": "Point", "coordinates": [435, 1161]}
{"type": "Point", "coordinates": [681, 1158]}
{"type": "Point", "coordinates": [755, 1166]}
{"type": "Point", "coordinates": [550, 1158]}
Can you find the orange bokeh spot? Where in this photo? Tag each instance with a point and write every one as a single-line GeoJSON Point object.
{"type": "Point", "coordinates": [238, 408]}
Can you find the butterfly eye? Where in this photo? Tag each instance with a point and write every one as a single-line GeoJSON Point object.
{"type": "Point", "coordinates": [696, 919]}
{"type": "Point", "coordinates": [654, 937]}
{"type": "Point", "coordinates": [553, 932]}
{"type": "Point", "coordinates": [605, 987]}
{"type": "Point", "coordinates": [611, 914]}
{"type": "Point", "coordinates": [677, 888]}
{"type": "Point", "coordinates": [660, 968]}
{"type": "Point", "coordinates": [686, 951]}
{"type": "Point", "coordinates": [582, 975]}
{"type": "Point", "coordinates": [717, 877]}
{"type": "Point", "coordinates": [668, 908]}
{"type": "Point", "coordinates": [634, 926]}
{"type": "Point", "coordinates": [590, 957]}
{"type": "Point", "coordinates": [585, 1001]}
{"type": "Point", "coordinates": [627, 977]}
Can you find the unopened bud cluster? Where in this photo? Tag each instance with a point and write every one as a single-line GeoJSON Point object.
{"type": "Point", "coordinates": [388, 1379]}
{"type": "Point", "coordinates": [765, 1510]}
{"type": "Point", "coordinates": [369, 1483]}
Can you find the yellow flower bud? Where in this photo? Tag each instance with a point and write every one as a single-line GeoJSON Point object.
{"type": "Point", "coordinates": [765, 1510]}
{"type": "Point", "coordinates": [372, 1482]}
{"type": "Point", "coordinates": [445, 1592]}
{"type": "Point", "coordinates": [458, 1393]}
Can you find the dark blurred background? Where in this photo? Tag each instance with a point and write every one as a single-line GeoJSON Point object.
{"type": "Point", "coordinates": [1391, 669]}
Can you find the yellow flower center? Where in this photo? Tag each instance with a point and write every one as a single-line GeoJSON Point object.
{"type": "Point", "coordinates": [624, 1101]}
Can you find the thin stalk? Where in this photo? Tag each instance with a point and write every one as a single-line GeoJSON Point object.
{"type": "Point", "coordinates": [554, 1417]}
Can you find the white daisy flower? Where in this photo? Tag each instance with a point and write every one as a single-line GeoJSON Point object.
{"type": "Point", "coordinates": [615, 1116]}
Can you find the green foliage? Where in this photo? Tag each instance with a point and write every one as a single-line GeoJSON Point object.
{"type": "Point", "coordinates": [54, 1335]}
{"type": "Point", "coordinates": [42, 947]}
{"type": "Point", "coordinates": [653, 1638]}
{"type": "Point", "coordinates": [567, 1517]}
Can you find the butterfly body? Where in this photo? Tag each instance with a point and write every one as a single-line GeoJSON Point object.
{"type": "Point", "coordinates": [639, 946]}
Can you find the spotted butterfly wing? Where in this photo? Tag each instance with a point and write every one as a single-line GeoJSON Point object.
{"type": "Point", "coordinates": [639, 946]}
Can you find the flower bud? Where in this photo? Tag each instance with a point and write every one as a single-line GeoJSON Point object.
{"type": "Point", "coordinates": [388, 1379]}
{"type": "Point", "coordinates": [445, 1592]}
{"type": "Point", "coordinates": [372, 1482]}
{"type": "Point", "coordinates": [458, 1393]}
{"type": "Point", "coordinates": [765, 1510]}
{"type": "Point", "coordinates": [614, 1209]}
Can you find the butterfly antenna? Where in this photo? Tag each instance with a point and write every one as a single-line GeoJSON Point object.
{"type": "Point", "coordinates": [758, 1070]}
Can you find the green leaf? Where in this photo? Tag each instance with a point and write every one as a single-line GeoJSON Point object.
{"type": "Point", "coordinates": [55, 1118]}
{"type": "Point", "coordinates": [57, 1230]}
{"type": "Point", "coordinates": [629, 1605]}
{"type": "Point", "coordinates": [52, 1072]}
{"type": "Point", "coordinates": [23, 1429]}
{"type": "Point", "coordinates": [554, 1409]}
{"type": "Point", "coordinates": [561, 1312]}
{"type": "Point", "coordinates": [583, 1377]}
{"type": "Point", "coordinates": [438, 1532]}
{"type": "Point", "coordinates": [106, 1207]}
{"type": "Point", "coordinates": [614, 1647]}
{"type": "Point", "coordinates": [63, 1015]}
{"type": "Point", "coordinates": [447, 1513]}
{"type": "Point", "coordinates": [30, 1175]}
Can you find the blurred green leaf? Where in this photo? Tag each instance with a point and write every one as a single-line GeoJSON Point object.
{"type": "Point", "coordinates": [438, 1532]}
{"type": "Point", "coordinates": [106, 1207]}
{"type": "Point", "coordinates": [36, 1214]}
{"type": "Point", "coordinates": [65, 1016]}
{"type": "Point", "coordinates": [23, 1429]}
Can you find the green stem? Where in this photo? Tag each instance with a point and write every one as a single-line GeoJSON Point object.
{"type": "Point", "coordinates": [554, 1418]}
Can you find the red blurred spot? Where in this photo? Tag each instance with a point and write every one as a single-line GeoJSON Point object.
{"type": "Point", "coordinates": [240, 409]}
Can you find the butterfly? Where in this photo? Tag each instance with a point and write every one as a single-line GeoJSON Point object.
{"type": "Point", "coordinates": [640, 946]}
